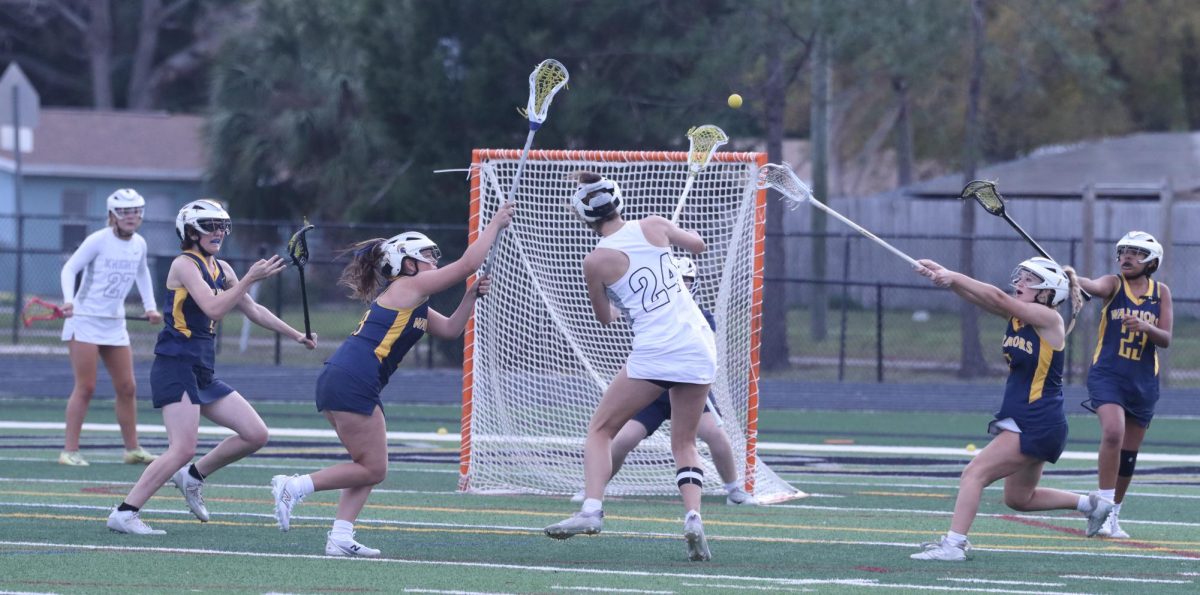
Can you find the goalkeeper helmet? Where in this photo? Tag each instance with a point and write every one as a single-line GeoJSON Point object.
{"type": "Point", "coordinates": [1050, 276]}
{"type": "Point", "coordinates": [205, 216]}
{"type": "Point", "coordinates": [597, 200]}
{"type": "Point", "coordinates": [125, 198]}
{"type": "Point", "coordinates": [409, 244]}
{"type": "Point", "coordinates": [686, 268]}
{"type": "Point", "coordinates": [1140, 240]}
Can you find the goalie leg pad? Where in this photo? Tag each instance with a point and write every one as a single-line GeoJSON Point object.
{"type": "Point", "coordinates": [692, 475]}
{"type": "Point", "coordinates": [1128, 462]}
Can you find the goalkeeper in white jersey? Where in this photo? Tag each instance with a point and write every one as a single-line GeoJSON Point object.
{"type": "Point", "coordinates": [108, 263]}
{"type": "Point", "coordinates": [631, 273]}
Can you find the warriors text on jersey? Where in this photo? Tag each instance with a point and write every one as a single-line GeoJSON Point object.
{"type": "Point", "coordinates": [1033, 392]}
{"type": "Point", "coordinates": [187, 330]}
{"type": "Point", "coordinates": [1125, 352]}
{"type": "Point", "coordinates": [383, 337]}
{"type": "Point", "coordinates": [109, 266]}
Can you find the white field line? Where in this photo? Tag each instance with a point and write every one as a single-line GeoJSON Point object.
{"type": "Point", "coordinates": [746, 587]}
{"type": "Point", "coordinates": [639, 534]}
{"type": "Point", "coordinates": [117, 461]}
{"type": "Point", "coordinates": [801, 478]}
{"type": "Point", "coordinates": [610, 590]}
{"type": "Point", "coordinates": [437, 563]}
{"type": "Point", "coordinates": [455, 438]}
{"type": "Point", "coordinates": [999, 582]}
{"type": "Point", "coordinates": [1123, 579]}
{"type": "Point", "coordinates": [441, 592]}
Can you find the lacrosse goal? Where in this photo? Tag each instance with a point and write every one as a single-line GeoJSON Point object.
{"type": "Point", "coordinates": [536, 361]}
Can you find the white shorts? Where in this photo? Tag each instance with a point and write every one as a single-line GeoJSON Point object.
{"type": "Point", "coordinates": [999, 425]}
{"type": "Point", "coordinates": [96, 330]}
{"type": "Point", "coordinates": [694, 362]}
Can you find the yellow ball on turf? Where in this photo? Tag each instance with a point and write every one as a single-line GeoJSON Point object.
{"type": "Point", "coordinates": [441, 430]}
{"type": "Point", "coordinates": [970, 448]}
{"type": "Point", "coordinates": [735, 101]}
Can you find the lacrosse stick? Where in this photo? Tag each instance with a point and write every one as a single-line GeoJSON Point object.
{"type": "Point", "coordinates": [36, 309]}
{"type": "Point", "coordinates": [703, 141]}
{"type": "Point", "coordinates": [298, 250]}
{"type": "Point", "coordinates": [989, 198]}
{"type": "Point", "coordinates": [546, 79]}
{"type": "Point", "coordinates": [782, 179]}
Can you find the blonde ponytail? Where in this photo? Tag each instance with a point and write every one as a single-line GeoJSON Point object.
{"type": "Point", "coordinates": [1076, 294]}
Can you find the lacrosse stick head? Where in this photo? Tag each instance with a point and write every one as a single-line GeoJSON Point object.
{"type": "Point", "coordinates": [985, 193]}
{"type": "Point", "coordinates": [545, 80]}
{"type": "Point", "coordinates": [703, 141]}
{"type": "Point", "coordinates": [298, 245]}
{"type": "Point", "coordinates": [782, 179]}
{"type": "Point", "coordinates": [38, 309]}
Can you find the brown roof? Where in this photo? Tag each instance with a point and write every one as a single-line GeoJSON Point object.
{"type": "Point", "coordinates": [114, 144]}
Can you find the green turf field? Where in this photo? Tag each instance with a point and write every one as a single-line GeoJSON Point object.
{"type": "Point", "coordinates": [866, 512]}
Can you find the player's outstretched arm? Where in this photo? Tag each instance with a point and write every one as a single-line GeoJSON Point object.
{"type": "Point", "coordinates": [260, 315]}
{"type": "Point", "coordinates": [452, 327]}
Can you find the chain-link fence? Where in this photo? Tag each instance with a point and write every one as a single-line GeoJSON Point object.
{"type": "Point", "coordinates": [882, 323]}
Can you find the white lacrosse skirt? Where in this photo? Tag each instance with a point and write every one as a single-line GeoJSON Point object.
{"type": "Point", "coordinates": [96, 330]}
{"type": "Point", "coordinates": [690, 362]}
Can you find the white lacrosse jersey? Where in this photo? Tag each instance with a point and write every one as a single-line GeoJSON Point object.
{"type": "Point", "coordinates": [110, 267]}
{"type": "Point", "coordinates": [671, 340]}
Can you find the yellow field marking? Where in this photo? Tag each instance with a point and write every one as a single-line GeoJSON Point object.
{"type": "Point", "coordinates": [905, 494]}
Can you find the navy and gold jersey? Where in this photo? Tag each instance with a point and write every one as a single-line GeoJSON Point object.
{"type": "Point", "coordinates": [1126, 353]}
{"type": "Point", "coordinates": [187, 331]}
{"type": "Point", "coordinates": [1033, 392]}
{"type": "Point", "coordinates": [383, 337]}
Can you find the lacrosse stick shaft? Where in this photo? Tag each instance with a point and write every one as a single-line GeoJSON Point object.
{"type": "Point", "coordinates": [512, 194]}
{"type": "Point", "coordinates": [860, 229]}
{"type": "Point", "coordinates": [687, 187]}
{"type": "Point", "coordinates": [304, 301]}
{"type": "Point", "coordinates": [1042, 251]}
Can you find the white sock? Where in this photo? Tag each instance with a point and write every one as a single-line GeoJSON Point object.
{"type": "Point", "coordinates": [690, 514]}
{"type": "Point", "coordinates": [1109, 495]}
{"type": "Point", "coordinates": [591, 505]}
{"type": "Point", "coordinates": [342, 530]}
{"type": "Point", "coordinates": [1084, 505]}
{"type": "Point", "coordinates": [733, 485]}
{"type": "Point", "coordinates": [300, 486]}
{"type": "Point", "coordinates": [1117, 508]}
{"type": "Point", "coordinates": [955, 539]}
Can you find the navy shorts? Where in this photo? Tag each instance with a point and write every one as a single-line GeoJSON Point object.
{"type": "Point", "coordinates": [339, 390]}
{"type": "Point", "coordinates": [172, 377]}
{"type": "Point", "coordinates": [654, 414]}
{"type": "Point", "coordinates": [1045, 443]}
{"type": "Point", "coordinates": [1137, 399]}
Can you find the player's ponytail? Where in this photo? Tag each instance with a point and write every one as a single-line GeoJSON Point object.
{"type": "Point", "coordinates": [1076, 294]}
{"type": "Point", "coordinates": [362, 276]}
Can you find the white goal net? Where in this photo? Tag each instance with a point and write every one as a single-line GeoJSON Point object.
{"type": "Point", "coordinates": [537, 361]}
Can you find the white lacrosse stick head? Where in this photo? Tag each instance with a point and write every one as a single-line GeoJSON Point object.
{"type": "Point", "coordinates": [545, 80]}
{"type": "Point", "coordinates": [782, 179]}
{"type": "Point", "coordinates": [703, 141]}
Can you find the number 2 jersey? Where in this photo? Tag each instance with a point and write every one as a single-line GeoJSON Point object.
{"type": "Point", "coordinates": [671, 340]}
{"type": "Point", "coordinates": [187, 331]}
{"type": "Point", "coordinates": [384, 335]}
{"type": "Point", "coordinates": [1125, 353]}
{"type": "Point", "coordinates": [1033, 394]}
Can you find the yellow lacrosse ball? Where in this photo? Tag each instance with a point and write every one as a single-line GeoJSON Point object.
{"type": "Point", "coordinates": [441, 430]}
{"type": "Point", "coordinates": [970, 448]}
{"type": "Point", "coordinates": [735, 101]}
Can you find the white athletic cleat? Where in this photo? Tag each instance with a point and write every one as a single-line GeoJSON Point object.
{"type": "Point", "coordinates": [191, 487]}
{"type": "Point", "coordinates": [138, 456]}
{"type": "Point", "coordinates": [942, 550]}
{"type": "Point", "coordinates": [128, 521]}
{"type": "Point", "coordinates": [1099, 513]}
{"type": "Point", "coordinates": [348, 548]}
{"type": "Point", "coordinates": [579, 523]}
{"type": "Point", "coordinates": [71, 458]}
{"type": "Point", "coordinates": [579, 496]}
{"type": "Point", "coordinates": [1112, 528]}
{"type": "Point", "coordinates": [740, 497]}
{"type": "Point", "coordinates": [285, 500]}
{"type": "Point", "coordinates": [697, 545]}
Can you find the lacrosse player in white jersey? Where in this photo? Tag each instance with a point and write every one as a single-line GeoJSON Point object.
{"type": "Point", "coordinates": [631, 273]}
{"type": "Point", "coordinates": [111, 261]}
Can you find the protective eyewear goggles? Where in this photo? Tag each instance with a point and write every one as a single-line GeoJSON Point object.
{"type": "Point", "coordinates": [433, 253]}
{"type": "Point", "coordinates": [208, 226]}
{"type": "Point", "coordinates": [129, 211]}
{"type": "Point", "coordinates": [1022, 277]}
{"type": "Point", "coordinates": [1130, 250]}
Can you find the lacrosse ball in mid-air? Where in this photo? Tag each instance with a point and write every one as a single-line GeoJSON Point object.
{"type": "Point", "coordinates": [735, 101]}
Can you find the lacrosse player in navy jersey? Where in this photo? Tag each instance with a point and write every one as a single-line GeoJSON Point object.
{"type": "Point", "coordinates": [395, 277]}
{"type": "Point", "coordinates": [1122, 383]}
{"type": "Point", "coordinates": [1031, 427]}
